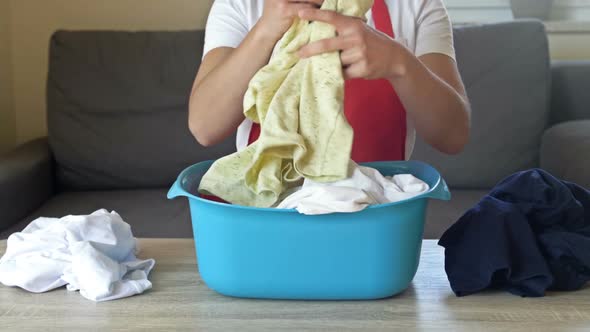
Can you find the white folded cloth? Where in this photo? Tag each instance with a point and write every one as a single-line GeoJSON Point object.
{"type": "Point", "coordinates": [365, 187]}
{"type": "Point", "coordinates": [94, 254]}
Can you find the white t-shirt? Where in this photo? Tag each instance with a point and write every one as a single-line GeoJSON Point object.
{"type": "Point", "coordinates": [423, 26]}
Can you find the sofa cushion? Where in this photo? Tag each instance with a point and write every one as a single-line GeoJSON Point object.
{"type": "Point", "coordinates": [565, 152]}
{"type": "Point", "coordinates": [570, 99]}
{"type": "Point", "coordinates": [26, 181]}
{"type": "Point", "coordinates": [117, 108]}
{"type": "Point", "coordinates": [149, 212]}
{"type": "Point", "coordinates": [506, 71]}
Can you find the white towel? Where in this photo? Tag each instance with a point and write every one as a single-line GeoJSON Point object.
{"type": "Point", "coordinates": [94, 254]}
{"type": "Point", "coordinates": [365, 187]}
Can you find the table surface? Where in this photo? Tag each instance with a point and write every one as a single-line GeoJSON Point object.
{"type": "Point", "coordinates": [180, 301]}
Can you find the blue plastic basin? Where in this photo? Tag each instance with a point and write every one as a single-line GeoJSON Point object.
{"type": "Point", "coordinates": [281, 254]}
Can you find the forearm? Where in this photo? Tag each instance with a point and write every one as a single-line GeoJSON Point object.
{"type": "Point", "coordinates": [216, 100]}
{"type": "Point", "coordinates": [440, 114]}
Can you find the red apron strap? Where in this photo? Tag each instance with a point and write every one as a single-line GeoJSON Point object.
{"type": "Point", "coordinates": [382, 18]}
{"type": "Point", "coordinates": [374, 110]}
{"type": "Point", "coordinates": [254, 133]}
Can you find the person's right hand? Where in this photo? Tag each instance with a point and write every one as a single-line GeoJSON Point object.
{"type": "Point", "coordinates": [278, 15]}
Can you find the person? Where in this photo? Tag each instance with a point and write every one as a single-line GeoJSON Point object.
{"type": "Point", "coordinates": [399, 64]}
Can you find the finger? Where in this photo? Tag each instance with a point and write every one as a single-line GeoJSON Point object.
{"type": "Point", "coordinates": [350, 56]}
{"type": "Point", "coordinates": [325, 46]}
{"type": "Point", "coordinates": [316, 3]}
{"type": "Point", "coordinates": [326, 16]}
{"type": "Point", "coordinates": [355, 70]}
{"type": "Point", "coordinates": [296, 7]}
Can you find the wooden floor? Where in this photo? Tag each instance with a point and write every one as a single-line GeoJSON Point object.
{"type": "Point", "coordinates": [180, 301]}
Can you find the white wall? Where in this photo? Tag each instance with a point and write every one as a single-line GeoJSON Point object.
{"type": "Point", "coordinates": [573, 41]}
{"type": "Point", "coordinates": [571, 10]}
{"type": "Point", "coordinates": [500, 10]}
{"type": "Point", "coordinates": [33, 22]}
{"type": "Point", "coordinates": [476, 11]}
{"type": "Point", "coordinates": [570, 46]}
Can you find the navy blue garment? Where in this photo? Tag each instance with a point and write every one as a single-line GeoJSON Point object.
{"type": "Point", "coordinates": [530, 234]}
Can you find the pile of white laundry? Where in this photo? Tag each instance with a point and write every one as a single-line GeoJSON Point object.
{"type": "Point", "coordinates": [365, 187]}
{"type": "Point", "coordinates": [94, 254]}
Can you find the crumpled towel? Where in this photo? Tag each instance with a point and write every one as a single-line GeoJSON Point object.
{"type": "Point", "coordinates": [304, 132]}
{"type": "Point", "coordinates": [529, 235]}
{"type": "Point", "coordinates": [365, 187]}
{"type": "Point", "coordinates": [94, 254]}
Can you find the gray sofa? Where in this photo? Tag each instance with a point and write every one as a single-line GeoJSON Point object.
{"type": "Point", "coordinates": [118, 136]}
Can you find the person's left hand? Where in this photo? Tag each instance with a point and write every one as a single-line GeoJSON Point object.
{"type": "Point", "coordinates": [365, 52]}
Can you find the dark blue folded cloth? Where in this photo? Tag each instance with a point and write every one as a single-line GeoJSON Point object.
{"type": "Point", "coordinates": [530, 234]}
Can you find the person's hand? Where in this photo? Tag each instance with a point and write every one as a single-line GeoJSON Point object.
{"type": "Point", "coordinates": [278, 15]}
{"type": "Point", "coordinates": [364, 51]}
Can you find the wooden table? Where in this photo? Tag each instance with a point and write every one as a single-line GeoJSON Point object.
{"type": "Point", "coordinates": [180, 301]}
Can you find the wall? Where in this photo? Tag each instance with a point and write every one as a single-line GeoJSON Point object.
{"type": "Point", "coordinates": [570, 39]}
{"type": "Point", "coordinates": [570, 45]}
{"type": "Point", "coordinates": [7, 121]}
{"type": "Point", "coordinates": [570, 10]}
{"type": "Point", "coordinates": [476, 11]}
{"type": "Point", "coordinates": [34, 21]}
{"type": "Point", "coordinates": [500, 10]}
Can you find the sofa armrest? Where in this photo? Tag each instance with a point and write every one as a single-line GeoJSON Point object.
{"type": "Point", "coordinates": [570, 99]}
{"type": "Point", "coordinates": [565, 151]}
{"type": "Point", "coordinates": [26, 181]}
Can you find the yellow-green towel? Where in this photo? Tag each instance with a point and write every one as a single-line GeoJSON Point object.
{"type": "Point", "coordinates": [299, 105]}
